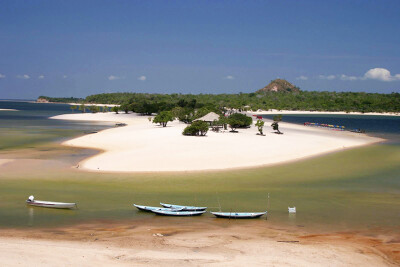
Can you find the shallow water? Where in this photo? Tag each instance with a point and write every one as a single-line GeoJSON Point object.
{"type": "Point", "coordinates": [357, 189]}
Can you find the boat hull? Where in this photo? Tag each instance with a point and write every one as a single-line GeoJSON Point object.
{"type": "Point", "coordinates": [150, 208]}
{"type": "Point", "coordinates": [53, 205]}
{"type": "Point", "coordinates": [183, 208]}
{"type": "Point", "coordinates": [238, 215]}
{"type": "Point", "coordinates": [178, 213]}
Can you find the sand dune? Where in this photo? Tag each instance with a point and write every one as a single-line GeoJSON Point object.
{"type": "Point", "coordinates": [142, 146]}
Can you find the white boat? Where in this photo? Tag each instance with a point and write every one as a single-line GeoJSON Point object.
{"type": "Point", "coordinates": [239, 215]}
{"type": "Point", "coordinates": [183, 208]}
{"type": "Point", "coordinates": [178, 213]}
{"type": "Point", "coordinates": [49, 204]}
{"type": "Point", "coordinates": [292, 210]}
{"type": "Point", "coordinates": [150, 208]}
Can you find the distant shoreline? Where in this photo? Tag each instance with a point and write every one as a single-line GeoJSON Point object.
{"type": "Point", "coordinates": [305, 112]}
{"type": "Point", "coordinates": [79, 104]}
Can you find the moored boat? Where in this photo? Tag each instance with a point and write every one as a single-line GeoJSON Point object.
{"type": "Point", "coordinates": [239, 215]}
{"type": "Point", "coordinates": [183, 208]}
{"type": "Point", "coordinates": [49, 204]}
{"type": "Point", "coordinates": [150, 208]}
{"type": "Point", "coordinates": [178, 213]}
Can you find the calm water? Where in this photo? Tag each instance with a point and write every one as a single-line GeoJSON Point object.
{"type": "Point", "coordinates": [30, 124]}
{"type": "Point", "coordinates": [387, 127]}
{"type": "Point", "coordinates": [358, 189]}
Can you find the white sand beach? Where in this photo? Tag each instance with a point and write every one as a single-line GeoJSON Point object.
{"type": "Point", "coordinates": [7, 109]}
{"type": "Point", "coordinates": [142, 146]}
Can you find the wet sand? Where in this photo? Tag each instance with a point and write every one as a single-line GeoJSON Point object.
{"type": "Point", "coordinates": [220, 243]}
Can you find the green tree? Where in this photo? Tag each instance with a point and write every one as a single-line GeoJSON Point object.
{"type": "Point", "coordinates": [115, 109]}
{"type": "Point", "coordinates": [94, 109]}
{"type": "Point", "coordinates": [238, 120]}
{"type": "Point", "coordinates": [223, 121]}
{"type": "Point", "coordinates": [163, 118]}
{"type": "Point", "coordinates": [82, 108]}
{"type": "Point", "coordinates": [260, 126]}
{"type": "Point", "coordinates": [125, 107]}
{"type": "Point", "coordinates": [275, 124]}
{"type": "Point", "coordinates": [196, 128]}
{"type": "Point", "coordinates": [73, 108]}
{"type": "Point", "coordinates": [178, 112]}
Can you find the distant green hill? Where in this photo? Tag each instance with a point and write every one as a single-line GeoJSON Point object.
{"type": "Point", "coordinates": [279, 85]}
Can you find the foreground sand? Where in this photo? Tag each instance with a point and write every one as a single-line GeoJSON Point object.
{"type": "Point", "coordinates": [229, 243]}
{"type": "Point", "coordinates": [142, 146]}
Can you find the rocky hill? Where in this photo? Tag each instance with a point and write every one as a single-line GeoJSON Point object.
{"type": "Point", "coordinates": [279, 85]}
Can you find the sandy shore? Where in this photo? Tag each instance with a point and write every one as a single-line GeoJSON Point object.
{"type": "Point", "coordinates": [299, 112]}
{"type": "Point", "coordinates": [7, 109]}
{"type": "Point", "coordinates": [142, 146]}
{"type": "Point", "coordinates": [5, 161]}
{"type": "Point", "coordinates": [187, 245]}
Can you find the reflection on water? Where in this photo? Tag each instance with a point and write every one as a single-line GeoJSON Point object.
{"type": "Point", "coordinates": [31, 214]}
{"type": "Point", "coordinates": [292, 217]}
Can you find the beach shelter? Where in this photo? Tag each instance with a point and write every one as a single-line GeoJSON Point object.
{"type": "Point", "coordinates": [210, 118]}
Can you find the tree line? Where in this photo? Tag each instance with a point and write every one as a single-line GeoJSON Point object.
{"type": "Point", "coordinates": [304, 100]}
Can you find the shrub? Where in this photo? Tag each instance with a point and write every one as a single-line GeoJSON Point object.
{"type": "Point", "coordinates": [197, 128]}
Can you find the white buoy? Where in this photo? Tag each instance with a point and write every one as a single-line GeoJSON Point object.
{"type": "Point", "coordinates": [292, 210]}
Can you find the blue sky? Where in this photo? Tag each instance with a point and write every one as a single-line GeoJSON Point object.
{"type": "Point", "coordinates": [78, 48]}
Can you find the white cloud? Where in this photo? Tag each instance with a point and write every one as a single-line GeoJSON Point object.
{"type": "Point", "coordinates": [41, 77]}
{"type": "Point", "coordinates": [2, 76]}
{"type": "Point", "coordinates": [381, 74]}
{"type": "Point", "coordinates": [229, 77]}
{"type": "Point", "coordinates": [344, 77]}
{"type": "Point", "coordinates": [327, 77]}
{"type": "Point", "coordinates": [112, 77]}
{"type": "Point", "coordinates": [65, 76]}
{"type": "Point", "coordinates": [142, 78]}
{"type": "Point", "coordinates": [303, 78]}
{"type": "Point", "coordinates": [25, 76]}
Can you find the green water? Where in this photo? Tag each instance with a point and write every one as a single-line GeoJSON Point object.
{"type": "Point", "coordinates": [357, 189]}
{"type": "Point", "coordinates": [351, 190]}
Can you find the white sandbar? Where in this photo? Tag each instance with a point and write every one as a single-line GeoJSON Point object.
{"type": "Point", "coordinates": [142, 146]}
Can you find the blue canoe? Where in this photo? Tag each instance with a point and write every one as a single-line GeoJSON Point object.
{"type": "Point", "coordinates": [178, 213]}
{"type": "Point", "coordinates": [183, 208]}
{"type": "Point", "coordinates": [239, 215]}
{"type": "Point", "coordinates": [149, 208]}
